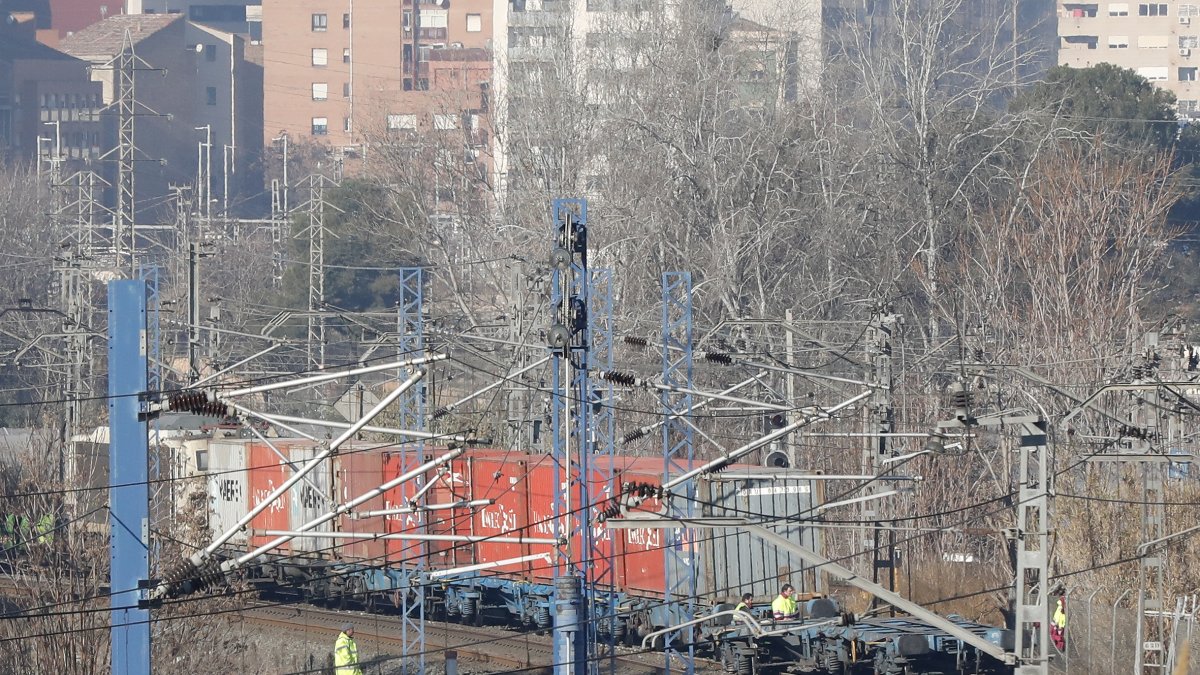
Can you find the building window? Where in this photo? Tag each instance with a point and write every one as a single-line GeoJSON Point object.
{"type": "Point", "coordinates": [434, 18]}
{"type": "Point", "coordinates": [320, 126]}
{"type": "Point", "coordinates": [347, 124]}
{"type": "Point", "coordinates": [445, 122]}
{"type": "Point", "coordinates": [1187, 74]}
{"type": "Point", "coordinates": [1188, 10]}
{"type": "Point", "coordinates": [345, 90]}
{"type": "Point", "coordinates": [320, 23]}
{"type": "Point", "coordinates": [210, 95]}
{"type": "Point", "coordinates": [346, 20]}
{"type": "Point", "coordinates": [474, 23]}
{"type": "Point", "coordinates": [1153, 73]}
{"type": "Point", "coordinates": [320, 57]}
{"type": "Point", "coordinates": [210, 53]}
{"type": "Point", "coordinates": [1118, 9]}
{"type": "Point", "coordinates": [320, 91]}
{"type": "Point", "coordinates": [406, 20]}
{"type": "Point", "coordinates": [1118, 42]}
{"type": "Point", "coordinates": [1190, 41]}
{"type": "Point", "coordinates": [346, 55]}
{"type": "Point", "coordinates": [398, 122]}
{"type": "Point", "coordinates": [1152, 9]}
{"type": "Point", "coordinates": [1153, 41]}
{"type": "Point", "coordinates": [1188, 107]}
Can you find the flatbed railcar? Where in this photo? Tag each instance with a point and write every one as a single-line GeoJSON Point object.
{"type": "Point", "coordinates": [517, 488]}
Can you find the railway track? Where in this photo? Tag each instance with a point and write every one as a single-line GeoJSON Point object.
{"type": "Point", "coordinates": [479, 649]}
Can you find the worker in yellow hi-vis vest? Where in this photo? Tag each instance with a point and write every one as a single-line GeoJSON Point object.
{"type": "Point", "coordinates": [784, 607]}
{"type": "Point", "coordinates": [345, 653]}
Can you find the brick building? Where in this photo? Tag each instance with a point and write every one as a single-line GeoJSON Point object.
{"type": "Point", "coordinates": [339, 73]}
{"type": "Point", "coordinates": [45, 93]}
{"type": "Point", "coordinates": [202, 83]}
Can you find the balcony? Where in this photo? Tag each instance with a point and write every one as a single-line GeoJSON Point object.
{"type": "Point", "coordinates": [431, 34]}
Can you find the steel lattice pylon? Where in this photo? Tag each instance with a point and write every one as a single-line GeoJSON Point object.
{"type": "Point", "coordinates": [316, 232]}
{"type": "Point", "coordinates": [570, 344]}
{"type": "Point", "coordinates": [124, 236]}
{"type": "Point", "coordinates": [411, 329]}
{"type": "Point", "coordinates": [1033, 552]}
{"type": "Point", "coordinates": [601, 487]}
{"type": "Point", "coordinates": [678, 454]}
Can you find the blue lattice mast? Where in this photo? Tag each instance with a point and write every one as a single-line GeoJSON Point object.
{"type": "Point", "coordinates": [569, 342]}
{"type": "Point", "coordinates": [411, 332]}
{"type": "Point", "coordinates": [601, 486]}
{"type": "Point", "coordinates": [678, 454]}
{"type": "Point", "coordinates": [150, 276]}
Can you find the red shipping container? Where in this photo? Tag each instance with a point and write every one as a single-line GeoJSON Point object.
{"type": "Point", "coordinates": [505, 481]}
{"type": "Point", "coordinates": [642, 568]}
{"type": "Point", "coordinates": [358, 470]}
{"type": "Point", "coordinates": [395, 464]}
{"type": "Point", "coordinates": [267, 471]}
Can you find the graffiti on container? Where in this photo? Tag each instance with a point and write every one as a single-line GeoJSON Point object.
{"type": "Point", "coordinates": [498, 518]}
{"type": "Point", "coordinates": [774, 490]}
{"type": "Point", "coordinates": [647, 537]}
{"type": "Point", "coordinates": [543, 525]}
{"type": "Point", "coordinates": [260, 496]}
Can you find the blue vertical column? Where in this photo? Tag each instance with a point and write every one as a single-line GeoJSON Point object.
{"type": "Point", "coordinates": [606, 625]}
{"type": "Point", "coordinates": [127, 476]}
{"type": "Point", "coordinates": [569, 341]}
{"type": "Point", "coordinates": [411, 327]}
{"type": "Point", "coordinates": [678, 456]}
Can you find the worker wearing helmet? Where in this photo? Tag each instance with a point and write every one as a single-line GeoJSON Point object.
{"type": "Point", "coordinates": [345, 653]}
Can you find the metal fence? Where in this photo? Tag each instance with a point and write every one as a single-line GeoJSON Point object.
{"type": "Point", "coordinates": [1102, 633]}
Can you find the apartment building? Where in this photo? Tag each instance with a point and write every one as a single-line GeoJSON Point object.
{"type": "Point", "coordinates": [46, 100]}
{"type": "Point", "coordinates": [1158, 40]}
{"type": "Point", "coordinates": [341, 73]}
{"type": "Point", "coordinates": [204, 90]}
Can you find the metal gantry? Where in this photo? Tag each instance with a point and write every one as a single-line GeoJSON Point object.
{"type": "Point", "coordinates": [678, 457]}
{"type": "Point", "coordinates": [1152, 646]}
{"type": "Point", "coordinates": [1031, 596]}
{"type": "Point", "coordinates": [570, 343]}
{"type": "Point", "coordinates": [602, 579]}
{"type": "Point", "coordinates": [411, 337]}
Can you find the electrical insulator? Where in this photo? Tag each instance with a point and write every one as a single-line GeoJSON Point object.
{"type": "Point", "coordinates": [721, 358]}
{"type": "Point", "coordinates": [636, 341]}
{"type": "Point", "coordinates": [631, 436]}
{"type": "Point", "coordinates": [618, 377]}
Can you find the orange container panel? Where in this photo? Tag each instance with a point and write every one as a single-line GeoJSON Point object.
{"type": "Point", "coordinates": [359, 470]}
{"type": "Point", "coordinates": [641, 563]}
{"type": "Point", "coordinates": [505, 481]}
{"type": "Point", "coordinates": [267, 471]}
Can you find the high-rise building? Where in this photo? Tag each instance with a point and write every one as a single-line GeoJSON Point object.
{"type": "Point", "coordinates": [338, 72]}
{"type": "Point", "coordinates": [1158, 40]}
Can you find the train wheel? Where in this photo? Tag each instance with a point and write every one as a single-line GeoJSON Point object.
{"type": "Point", "coordinates": [745, 664]}
{"type": "Point", "coordinates": [729, 657]}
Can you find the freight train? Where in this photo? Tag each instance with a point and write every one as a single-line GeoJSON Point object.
{"type": "Point", "coordinates": [488, 514]}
